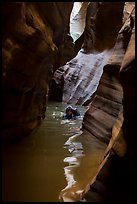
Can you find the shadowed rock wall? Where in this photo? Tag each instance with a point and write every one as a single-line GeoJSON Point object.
{"type": "Point", "coordinates": [103, 22]}
{"type": "Point", "coordinates": [33, 44]}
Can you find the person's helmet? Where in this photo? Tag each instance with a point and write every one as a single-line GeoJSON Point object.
{"type": "Point", "coordinates": [69, 108]}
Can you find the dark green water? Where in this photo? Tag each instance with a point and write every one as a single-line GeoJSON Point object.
{"type": "Point", "coordinates": [54, 163]}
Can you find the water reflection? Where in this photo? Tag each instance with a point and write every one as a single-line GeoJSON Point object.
{"type": "Point", "coordinates": [74, 147]}
{"type": "Point", "coordinates": [85, 154]}
{"type": "Point", "coordinates": [76, 150]}
{"type": "Point", "coordinates": [33, 170]}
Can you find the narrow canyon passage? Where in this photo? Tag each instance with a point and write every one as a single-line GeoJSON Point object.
{"type": "Point", "coordinates": [56, 54]}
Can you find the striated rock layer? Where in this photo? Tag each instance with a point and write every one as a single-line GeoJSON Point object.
{"type": "Point", "coordinates": [114, 178]}
{"type": "Point", "coordinates": [105, 107]}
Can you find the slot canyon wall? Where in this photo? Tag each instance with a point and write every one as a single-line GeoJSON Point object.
{"type": "Point", "coordinates": [115, 177]}
{"type": "Point", "coordinates": [96, 70]}
{"type": "Point", "coordinates": [35, 42]}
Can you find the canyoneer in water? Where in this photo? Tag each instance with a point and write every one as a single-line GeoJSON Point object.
{"type": "Point", "coordinates": [71, 113]}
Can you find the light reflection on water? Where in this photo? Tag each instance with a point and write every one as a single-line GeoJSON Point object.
{"type": "Point", "coordinates": [83, 161]}
{"type": "Point", "coordinates": [72, 161]}
{"type": "Point", "coordinates": [76, 150]}
{"type": "Point", "coordinates": [54, 163]}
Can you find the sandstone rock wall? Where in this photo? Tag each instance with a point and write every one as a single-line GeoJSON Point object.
{"type": "Point", "coordinates": [115, 176]}
{"type": "Point", "coordinates": [80, 76]}
{"type": "Point", "coordinates": [34, 37]}
{"type": "Point", "coordinates": [105, 107]}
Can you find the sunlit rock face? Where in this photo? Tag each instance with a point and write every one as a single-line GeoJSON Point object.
{"type": "Point", "coordinates": [80, 76]}
{"type": "Point", "coordinates": [77, 19]}
{"type": "Point", "coordinates": [34, 37]}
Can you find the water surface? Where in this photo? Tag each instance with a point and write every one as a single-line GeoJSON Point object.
{"type": "Point", "coordinates": [53, 163]}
